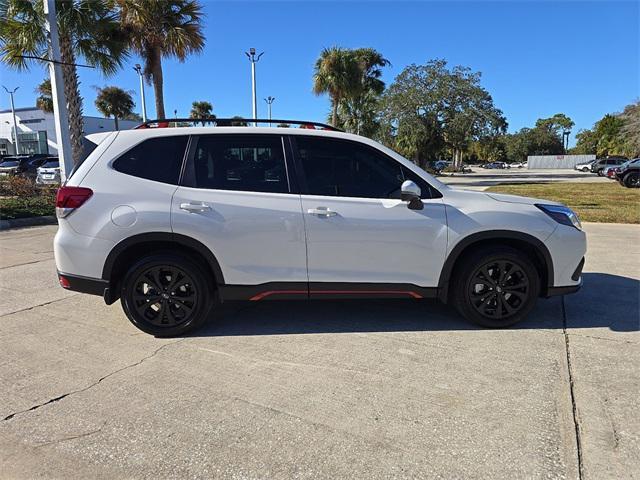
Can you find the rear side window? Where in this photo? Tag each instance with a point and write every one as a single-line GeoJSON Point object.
{"type": "Point", "coordinates": [251, 163]}
{"type": "Point", "coordinates": [158, 159]}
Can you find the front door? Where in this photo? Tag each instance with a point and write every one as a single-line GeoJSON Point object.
{"type": "Point", "coordinates": [358, 229]}
{"type": "Point", "coordinates": [236, 199]}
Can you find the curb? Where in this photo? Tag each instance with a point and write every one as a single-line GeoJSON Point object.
{"type": "Point", "coordinates": [28, 222]}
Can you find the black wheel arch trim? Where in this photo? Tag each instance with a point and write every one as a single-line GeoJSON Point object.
{"type": "Point", "coordinates": [162, 237]}
{"type": "Point", "coordinates": [539, 247]}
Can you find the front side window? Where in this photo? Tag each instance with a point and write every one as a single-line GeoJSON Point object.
{"type": "Point", "coordinates": [158, 159]}
{"type": "Point", "coordinates": [252, 163]}
{"type": "Point", "coordinates": [347, 169]}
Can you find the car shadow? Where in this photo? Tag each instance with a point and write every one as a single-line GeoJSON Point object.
{"type": "Point", "coordinates": [584, 309]}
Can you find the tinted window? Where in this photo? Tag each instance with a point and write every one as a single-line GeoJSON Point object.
{"type": "Point", "coordinates": [252, 163]}
{"type": "Point", "coordinates": [348, 169]}
{"type": "Point", "coordinates": [51, 164]}
{"type": "Point", "coordinates": [158, 159]}
{"type": "Point", "coordinates": [9, 163]}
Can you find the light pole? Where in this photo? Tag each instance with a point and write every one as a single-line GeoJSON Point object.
{"type": "Point", "coordinates": [251, 54]}
{"type": "Point", "coordinates": [269, 101]}
{"type": "Point", "coordinates": [60, 114]}
{"type": "Point", "coordinates": [13, 113]}
{"type": "Point", "coordinates": [138, 69]}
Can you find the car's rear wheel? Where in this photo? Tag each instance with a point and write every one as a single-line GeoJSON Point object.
{"type": "Point", "coordinates": [585, 169]}
{"type": "Point", "coordinates": [496, 287]}
{"type": "Point", "coordinates": [632, 180]}
{"type": "Point", "coordinates": [167, 295]}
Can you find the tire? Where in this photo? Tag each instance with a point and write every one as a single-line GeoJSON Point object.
{"type": "Point", "coordinates": [182, 294]}
{"type": "Point", "coordinates": [585, 169]}
{"type": "Point", "coordinates": [631, 180]}
{"type": "Point", "coordinates": [513, 298]}
{"type": "Point", "coordinates": [599, 172]}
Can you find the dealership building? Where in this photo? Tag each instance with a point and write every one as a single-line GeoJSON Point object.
{"type": "Point", "coordinates": [37, 132]}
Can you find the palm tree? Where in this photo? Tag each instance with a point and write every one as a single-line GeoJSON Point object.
{"type": "Point", "coordinates": [45, 99]}
{"type": "Point", "coordinates": [157, 29]}
{"type": "Point", "coordinates": [89, 29]}
{"type": "Point", "coordinates": [202, 109]}
{"type": "Point", "coordinates": [114, 101]}
{"type": "Point", "coordinates": [336, 73]}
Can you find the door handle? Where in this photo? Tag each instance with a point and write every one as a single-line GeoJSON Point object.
{"type": "Point", "coordinates": [194, 207]}
{"type": "Point", "coordinates": [322, 212]}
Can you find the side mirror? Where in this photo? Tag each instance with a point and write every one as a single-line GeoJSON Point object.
{"type": "Point", "coordinates": [410, 192]}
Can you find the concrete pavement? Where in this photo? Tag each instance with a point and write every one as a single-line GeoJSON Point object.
{"type": "Point", "coordinates": [320, 390]}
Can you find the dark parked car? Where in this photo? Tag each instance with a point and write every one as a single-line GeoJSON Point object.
{"type": "Point", "coordinates": [599, 165]}
{"type": "Point", "coordinates": [629, 174]}
{"type": "Point", "coordinates": [23, 165]}
{"type": "Point", "coordinates": [497, 165]}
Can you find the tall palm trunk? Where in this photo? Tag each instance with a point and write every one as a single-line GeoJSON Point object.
{"type": "Point", "coordinates": [115, 121]}
{"type": "Point", "coordinates": [334, 113]}
{"type": "Point", "coordinates": [74, 100]}
{"type": "Point", "coordinates": [156, 72]}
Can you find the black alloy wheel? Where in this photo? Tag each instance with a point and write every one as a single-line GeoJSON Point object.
{"type": "Point", "coordinates": [167, 295]}
{"type": "Point", "coordinates": [495, 286]}
{"type": "Point", "coordinates": [498, 289]}
{"type": "Point", "coordinates": [632, 180]}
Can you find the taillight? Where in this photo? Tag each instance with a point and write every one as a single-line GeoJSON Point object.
{"type": "Point", "coordinates": [70, 198]}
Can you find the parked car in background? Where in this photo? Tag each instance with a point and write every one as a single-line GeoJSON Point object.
{"type": "Point", "coordinates": [610, 171]}
{"type": "Point", "coordinates": [519, 165]}
{"type": "Point", "coordinates": [440, 165]}
{"type": "Point", "coordinates": [496, 165]}
{"type": "Point", "coordinates": [629, 174]}
{"type": "Point", "coordinates": [49, 172]}
{"type": "Point", "coordinates": [584, 167]}
{"type": "Point", "coordinates": [599, 165]}
{"type": "Point", "coordinates": [22, 165]}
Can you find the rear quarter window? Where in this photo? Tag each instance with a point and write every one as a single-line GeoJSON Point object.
{"type": "Point", "coordinates": [158, 159]}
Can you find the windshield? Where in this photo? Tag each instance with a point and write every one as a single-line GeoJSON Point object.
{"type": "Point", "coordinates": [9, 163]}
{"type": "Point", "coordinates": [51, 164]}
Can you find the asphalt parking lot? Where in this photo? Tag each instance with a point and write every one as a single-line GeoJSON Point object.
{"type": "Point", "coordinates": [328, 390]}
{"type": "Point", "coordinates": [481, 178]}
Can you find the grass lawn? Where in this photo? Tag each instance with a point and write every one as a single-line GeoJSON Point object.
{"type": "Point", "coordinates": [593, 202]}
{"type": "Point", "coordinates": [15, 207]}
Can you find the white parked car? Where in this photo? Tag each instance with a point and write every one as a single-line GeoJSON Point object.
{"type": "Point", "coordinates": [584, 167]}
{"type": "Point", "coordinates": [172, 221]}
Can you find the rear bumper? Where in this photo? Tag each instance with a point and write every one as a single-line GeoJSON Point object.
{"type": "Point", "coordinates": [76, 283]}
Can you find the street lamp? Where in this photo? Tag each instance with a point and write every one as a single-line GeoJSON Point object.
{"type": "Point", "coordinates": [138, 69]}
{"type": "Point", "coordinates": [565, 139]}
{"type": "Point", "coordinates": [13, 113]}
{"type": "Point", "coordinates": [251, 54]}
{"type": "Point", "coordinates": [269, 101]}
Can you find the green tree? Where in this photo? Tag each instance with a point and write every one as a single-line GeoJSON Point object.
{"type": "Point", "coordinates": [449, 106]}
{"type": "Point", "coordinates": [631, 128]}
{"type": "Point", "coordinates": [89, 29]}
{"type": "Point", "coordinates": [201, 109]}
{"type": "Point", "coordinates": [586, 143]}
{"type": "Point", "coordinates": [45, 99]}
{"type": "Point", "coordinates": [336, 73]}
{"type": "Point", "coordinates": [162, 29]}
{"type": "Point", "coordinates": [359, 107]}
{"type": "Point", "coordinates": [114, 102]}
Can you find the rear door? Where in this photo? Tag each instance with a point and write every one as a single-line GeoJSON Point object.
{"type": "Point", "coordinates": [237, 199]}
{"type": "Point", "coordinates": [358, 229]}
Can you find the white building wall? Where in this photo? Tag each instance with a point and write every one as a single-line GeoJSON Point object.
{"type": "Point", "coordinates": [35, 120]}
{"type": "Point", "coordinates": [539, 162]}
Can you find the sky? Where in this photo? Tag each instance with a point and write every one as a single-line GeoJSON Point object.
{"type": "Point", "coordinates": [537, 58]}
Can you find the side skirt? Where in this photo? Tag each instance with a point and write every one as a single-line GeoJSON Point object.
{"type": "Point", "coordinates": [324, 290]}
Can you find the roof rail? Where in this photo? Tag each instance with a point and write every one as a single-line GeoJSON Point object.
{"type": "Point", "coordinates": [230, 122]}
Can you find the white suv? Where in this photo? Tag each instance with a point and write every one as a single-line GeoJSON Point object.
{"type": "Point", "coordinates": [175, 220]}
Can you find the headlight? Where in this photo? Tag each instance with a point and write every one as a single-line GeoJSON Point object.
{"type": "Point", "coordinates": [561, 214]}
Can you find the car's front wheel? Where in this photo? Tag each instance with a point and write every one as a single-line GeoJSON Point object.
{"type": "Point", "coordinates": [496, 287]}
{"type": "Point", "coordinates": [632, 180]}
{"type": "Point", "coordinates": [167, 295]}
{"type": "Point", "coordinates": [585, 169]}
